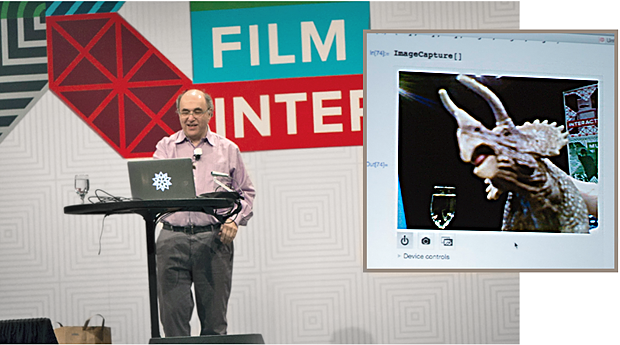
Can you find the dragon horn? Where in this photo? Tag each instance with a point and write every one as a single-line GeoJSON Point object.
{"type": "Point", "coordinates": [501, 116]}
{"type": "Point", "coordinates": [461, 116]}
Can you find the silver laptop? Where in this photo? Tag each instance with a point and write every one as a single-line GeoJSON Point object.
{"type": "Point", "coordinates": [161, 179]}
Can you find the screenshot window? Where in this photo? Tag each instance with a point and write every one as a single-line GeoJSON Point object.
{"type": "Point", "coordinates": [490, 150]}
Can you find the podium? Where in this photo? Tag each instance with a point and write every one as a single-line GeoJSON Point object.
{"type": "Point", "coordinates": [151, 211]}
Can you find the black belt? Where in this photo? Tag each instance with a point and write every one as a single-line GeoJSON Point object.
{"type": "Point", "coordinates": [192, 229]}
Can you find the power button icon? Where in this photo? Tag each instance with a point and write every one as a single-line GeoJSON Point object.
{"type": "Point", "coordinates": [405, 239]}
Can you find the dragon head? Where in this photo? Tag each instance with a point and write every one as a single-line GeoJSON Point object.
{"type": "Point", "coordinates": [506, 152]}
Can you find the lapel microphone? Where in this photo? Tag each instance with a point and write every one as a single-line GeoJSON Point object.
{"type": "Point", "coordinates": [197, 153]}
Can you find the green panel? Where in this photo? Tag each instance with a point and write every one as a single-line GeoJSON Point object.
{"type": "Point", "coordinates": [40, 9]}
{"type": "Point", "coordinates": [195, 6]}
{"type": "Point", "coordinates": [24, 9]}
{"type": "Point", "coordinates": [20, 11]}
{"type": "Point", "coordinates": [5, 10]}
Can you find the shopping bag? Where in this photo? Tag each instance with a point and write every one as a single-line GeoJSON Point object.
{"type": "Point", "coordinates": [84, 334]}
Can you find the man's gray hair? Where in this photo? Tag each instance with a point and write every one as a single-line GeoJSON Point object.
{"type": "Point", "coordinates": [208, 99]}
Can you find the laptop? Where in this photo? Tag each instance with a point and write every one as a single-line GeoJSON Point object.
{"type": "Point", "coordinates": [162, 179]}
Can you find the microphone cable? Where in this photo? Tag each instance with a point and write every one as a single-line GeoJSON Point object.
{"type": "Point", "coordinates": [101, 234]}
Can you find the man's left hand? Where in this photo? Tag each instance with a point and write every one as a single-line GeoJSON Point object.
{"type": "Point", "coordinates": [228, 231]}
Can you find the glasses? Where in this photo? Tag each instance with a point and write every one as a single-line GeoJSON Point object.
{"type": "Point", "coordinates": [196, 112]}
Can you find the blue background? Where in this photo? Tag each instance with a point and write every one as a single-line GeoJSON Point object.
{"type": "Point", "coordinates": [236, 63]}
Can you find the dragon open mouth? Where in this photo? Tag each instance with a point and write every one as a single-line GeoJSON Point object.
{"type": "Point", "coordinates": [480, 154]}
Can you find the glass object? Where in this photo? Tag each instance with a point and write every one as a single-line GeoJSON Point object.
{"type": "Point", "coordinates": [82, 185]}
{"type": "Point", "coordinates": [443, 205]}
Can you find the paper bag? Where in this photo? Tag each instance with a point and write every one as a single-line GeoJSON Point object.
{"type": "Point", "coordinates": [84, 334]}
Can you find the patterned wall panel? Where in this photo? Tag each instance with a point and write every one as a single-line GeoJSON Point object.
{"type": "Point", "coordinates": [114, 79]}
{"type": "Point", "coordinates": [49, 261]}
{"type": "Point", "coordinates": [176, 44]}
{"type": "Point", "coordinates": [444, 15]}
{"type": "Point", "coordinates": [66, 8]}
{"type": "Point", "coordinates": [298, 265]}
{"type": "Point", "coordinates": [23, 64]}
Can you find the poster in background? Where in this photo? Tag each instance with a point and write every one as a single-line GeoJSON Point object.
{"type": "Point", "coordinates": [581, 111]}
{"type": "Point", "coordinates": [285, 75]}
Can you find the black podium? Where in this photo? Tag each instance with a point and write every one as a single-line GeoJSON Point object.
{"type": "Point", "coordinates": [151, 211]}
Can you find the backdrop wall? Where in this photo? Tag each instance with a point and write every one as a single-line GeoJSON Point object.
{"type": "Point", "coordinates": [298, 265]}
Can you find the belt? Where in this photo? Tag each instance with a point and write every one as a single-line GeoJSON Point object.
{"type": "Point", "coordinates": [192, 229]}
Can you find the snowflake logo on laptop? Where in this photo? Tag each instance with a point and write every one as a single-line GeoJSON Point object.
{"type": "Point", "coordinates": [161, 181]}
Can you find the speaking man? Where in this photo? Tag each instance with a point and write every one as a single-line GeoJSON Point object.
{"type": "Point", "coordinates": [194, 247]}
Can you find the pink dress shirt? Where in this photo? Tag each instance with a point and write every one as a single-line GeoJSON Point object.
{"type": "Point", "coordinates": [218, 154]}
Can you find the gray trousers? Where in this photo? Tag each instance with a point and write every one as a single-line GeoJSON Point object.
{"type": "Point", "coordinates": [204, 260]}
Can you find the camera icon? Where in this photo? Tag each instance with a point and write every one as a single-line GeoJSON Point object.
{"type": "Point", "coordinates": [425, 241]}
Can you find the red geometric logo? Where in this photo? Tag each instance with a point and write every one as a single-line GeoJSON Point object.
{"type": "Point", "coordinates": [114, 79]}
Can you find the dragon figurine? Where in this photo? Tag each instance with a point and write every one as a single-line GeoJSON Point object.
{"type": "Point", "coordinates": [514, 159]}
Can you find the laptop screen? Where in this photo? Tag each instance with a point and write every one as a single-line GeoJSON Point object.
{"type": "Point", "coordinates": [161, 179]}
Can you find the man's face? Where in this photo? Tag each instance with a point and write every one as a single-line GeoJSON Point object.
{"type": "Point", "coordinates": [194, 125]}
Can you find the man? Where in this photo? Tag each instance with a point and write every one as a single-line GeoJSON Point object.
{"type": "Point", "coordinates": [589, 165]}
{"type": "Point", "coordinates": [193, 246]}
